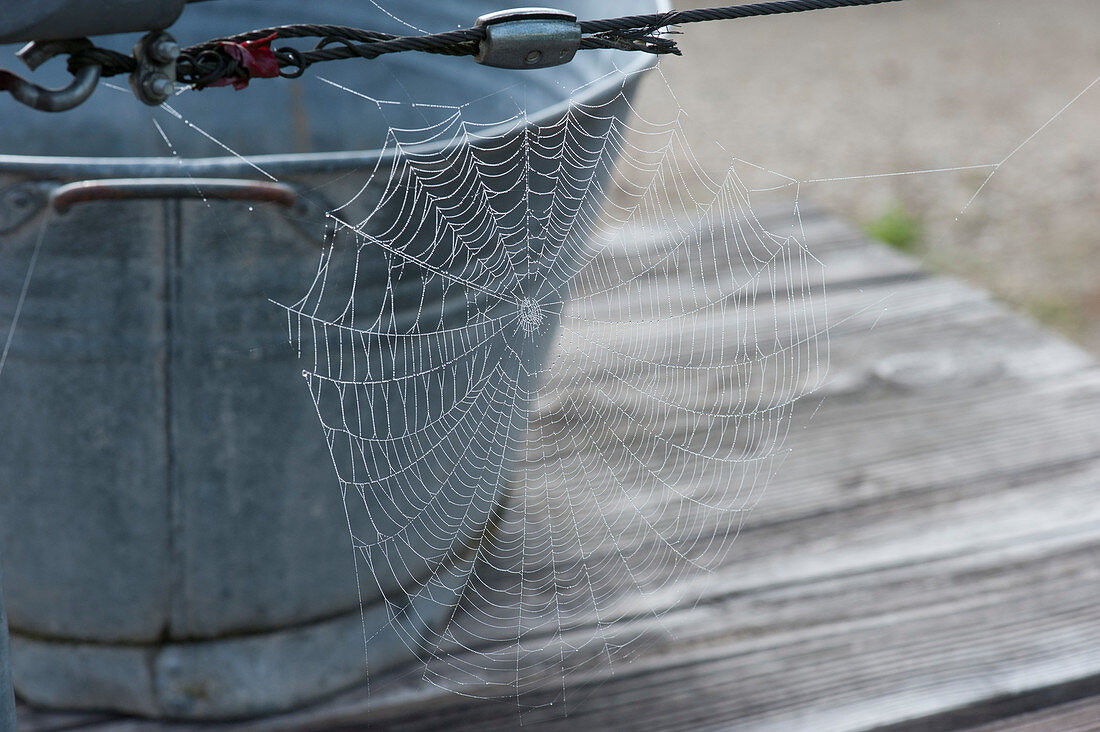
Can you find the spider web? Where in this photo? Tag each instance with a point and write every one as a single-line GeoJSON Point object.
{"type": "Point", "coordinates": [555, 363]}
{"type": "Point", "coordinates": [557, 351]}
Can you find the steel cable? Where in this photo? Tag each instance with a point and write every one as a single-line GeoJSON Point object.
{"type": "Point", "coordinates": [206, 63]}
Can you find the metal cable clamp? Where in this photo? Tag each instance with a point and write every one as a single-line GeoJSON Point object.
{"type": "Point", "coordinates": [154, 80]}
{"type": "Point", "coordinates": [528, 38]}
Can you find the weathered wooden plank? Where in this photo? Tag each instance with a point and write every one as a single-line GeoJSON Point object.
{"type": "Point", "coordinates": [861, 651]}
{"type": "Point", "coordinates": [1003, 395]}
{"type": "Point", "coordinates": [902, 528]}
{"type": "Point", "coordinates": [1077, 716]}
{"type": "Point", "coordinates": [920, 435]}
{"type": "Point", "coordinates": [931, 542]}
{"type": "Point", "coordinates": [643, 280]}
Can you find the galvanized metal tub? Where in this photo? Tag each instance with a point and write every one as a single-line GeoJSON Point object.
{"type": "Point", "coordinates": [7, 699]}
{"type": "Point", "coordinates": [173, 540]}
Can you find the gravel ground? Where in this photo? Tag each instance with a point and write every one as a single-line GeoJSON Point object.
{"type": "Point", "coordinates": [924, 84]}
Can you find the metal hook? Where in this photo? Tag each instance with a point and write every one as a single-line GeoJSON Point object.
{"type": "Point", "coordinates": [34, 55]}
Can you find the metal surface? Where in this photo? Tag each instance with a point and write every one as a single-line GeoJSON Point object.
{"type": "Point", "coordinates": [504, 16]}
{"type": "Point", "coordinates": [257, 122]}
{"type": "Point", "coordinates": [56, 167]}
{"type": "Point", "coordinates": [21, 202]}
{"type": "Point", "coordinates": [528, 38]}
{"type": "Point", "coordinates": [153, 82]}
{"type": "Point", "coordinates": [207, 189]}
{"type": "Point", "coordinates": [22, 21]}
{"type": "Point", "coordinates": [7, 696]}
{"type": "Point", "coordinates": [51, 100]}
{"type": "Point", "coordinates": [193, 481]}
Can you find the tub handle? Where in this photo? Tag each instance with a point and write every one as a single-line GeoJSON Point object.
{"type": "Point", "coordinates": [66, 196]}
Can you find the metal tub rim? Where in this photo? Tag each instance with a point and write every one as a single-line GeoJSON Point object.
{"type": "Point", "coordinates": [48, 167]}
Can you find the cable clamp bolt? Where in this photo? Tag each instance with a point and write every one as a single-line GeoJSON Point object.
{"type": "Point", "coordinates": [528, 38]}
{"type": "Point", "coordinates": [154, 80]}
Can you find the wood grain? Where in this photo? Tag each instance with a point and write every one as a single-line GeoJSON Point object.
{"type": "Point", "coordinates": [928, 552]}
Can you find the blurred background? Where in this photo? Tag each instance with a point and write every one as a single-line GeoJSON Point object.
{"type": "Point", "coordinates": [920, 85]}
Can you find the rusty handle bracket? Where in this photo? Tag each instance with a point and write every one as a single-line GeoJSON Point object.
{"type": "Point", "coordinates": [66, 196]}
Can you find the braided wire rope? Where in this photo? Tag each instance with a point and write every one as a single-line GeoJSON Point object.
{"type": "Point", "coordinates": [205, 63]}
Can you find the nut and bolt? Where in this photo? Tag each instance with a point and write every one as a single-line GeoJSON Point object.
{"type": "Point", "coordinates": [158, 86]}
{"type": "Point", "coordinates": [164, 50]}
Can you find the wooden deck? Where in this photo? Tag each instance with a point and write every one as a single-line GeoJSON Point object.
{"type": "Point", "coordinates": [928, 557]}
